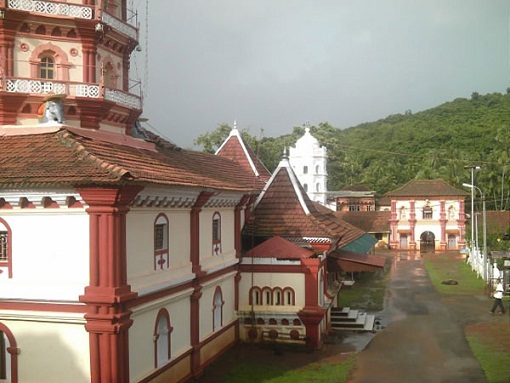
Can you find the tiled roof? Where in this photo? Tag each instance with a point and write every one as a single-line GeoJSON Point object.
{"type": "Point", "coordinates": [235, 149]}
{"type": "Point", "coordinates": [498, 222]}
{"type": "Point", "coordinates": [279, 248]}
{"type": "Point", "coordinates": [346, 261]}
{"type": "Point", "coordinates": [67, 157]}
{"type": "Point", "coordinates": [370, 221]}
{"type": "Point", "coordinates": [284, 209]}
{"type": "Point", "coordinates": [427, 188]}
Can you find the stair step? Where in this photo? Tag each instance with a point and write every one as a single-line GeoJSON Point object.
{"type": "Point", "coordinates": [363, 322]}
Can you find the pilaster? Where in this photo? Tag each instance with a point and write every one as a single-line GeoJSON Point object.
{"type": "Point", "coordinates": [108, 319]}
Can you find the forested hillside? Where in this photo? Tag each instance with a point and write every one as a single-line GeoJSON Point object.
{"type": "Point", "coordinates": [385, 154]}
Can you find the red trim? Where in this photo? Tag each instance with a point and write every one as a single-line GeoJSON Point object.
{"type": "Point", "coordinates": [8, 263]}
{"type": "Point", "coordinates": [162, 313]}
{"type": "Point", "coordinates": [13, 350]}
{"type": "Point", "coordinates": [48, 307]}
{"type": "Point", "coordinates": [108, 319]}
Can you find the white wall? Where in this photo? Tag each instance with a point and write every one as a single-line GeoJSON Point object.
{"type": "Point", "coordinates": [51, 351]}
{"type": "Point", "coordinates": [141, 341]}
{"type": "Point", "coordinates": [50, 252]}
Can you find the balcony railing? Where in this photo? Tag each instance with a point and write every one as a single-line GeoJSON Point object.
{"type": "Point", "coordinates": [73, 89]}
{"type": "Point", "coordinates": [52, 8]}
{"type": "Point", "coordinates": [120, 26]}
{"type": "Point", "coordinates": [73, 10]}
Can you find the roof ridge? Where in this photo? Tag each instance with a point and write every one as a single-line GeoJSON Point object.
{"type": "Point", "coordinates": [68, 138]}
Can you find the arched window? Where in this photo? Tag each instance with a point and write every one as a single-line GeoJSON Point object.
{"type": "Point", "coordinates": [8, 356]}
{"type": "Point", "coordinates": [403, 213]}
{"type": "Point", "coordinates": [161, 253]}
{"type": "Point", "coordinates": [288, 297]}
{"type": "Point", "coordinates": [321, 288]}
{"type": "Point", "coordinates": [5, 248]}
{"type": "Point", "coordinates": [49, 62]}
{"type": "Point", "coordinates": [317, 168]}
{"type": "Point", "coordinates": [217, 310]}
{"type": "Point", "coordinates": [216, 234]}
{"type": "Point", "coordinates": [305, 186]}
{"type": "Point", "coordinates": [266, 296]}
{"type": "Point", "coordinates": [317, 187]}
{"type": "Point", "coordinates": [255, 296]}
{"type": "Point", "coordinates": [305, 169]}
{"type": "Point", "coordinates": [278, 296]}
{"type": "Point", "coordinates": [47, 68]}
{"type": "Point", "coordinates": [162, 344]}
{"type": "Point", "coordinates": [427, 212]}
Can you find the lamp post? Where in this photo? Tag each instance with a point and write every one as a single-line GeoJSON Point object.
{"type": "Point", "coordinates": [484, 218]}
{"type": "Point", "coordinates": [472, 167]}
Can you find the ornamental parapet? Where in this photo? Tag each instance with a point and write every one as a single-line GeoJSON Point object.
{"type": "Point", "coordinates": [73, 89]}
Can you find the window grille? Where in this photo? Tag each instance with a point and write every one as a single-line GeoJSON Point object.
{"type": "Point", "coordinates": [3, 245]}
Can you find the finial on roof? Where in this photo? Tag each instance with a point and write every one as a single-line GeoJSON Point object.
{"type": "Point", "coordinates": [235, 125]}
{"type": "Point", "coordinates": [307, 126]}
{"type": "Point", "coordinates": [285, 153]}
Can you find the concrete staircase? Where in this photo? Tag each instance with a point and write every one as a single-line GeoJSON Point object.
{"type": "Point", "coordinates": [345, 319]}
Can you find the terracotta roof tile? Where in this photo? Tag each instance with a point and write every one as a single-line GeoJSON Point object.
{"type": "Point", "coordinates": [369, 221]}
{"type": "Point", "coordinates": [279, 248]}
{"type": "Point", "coordinates": [284, 209]}
{"type": "Point", "coordinates": [427, 188]}
{"type": "Point", "coordinates": [65, 157]}
{"type": "Point", "coordinates": [235, 149]}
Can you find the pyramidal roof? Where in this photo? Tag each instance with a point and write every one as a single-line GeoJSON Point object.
{"type": "Point", "coordinates": [283, 208]}
{"type": "Point", "coordinates": [279, 248]}
{"type": "Point", "coordinates": [235, 149]}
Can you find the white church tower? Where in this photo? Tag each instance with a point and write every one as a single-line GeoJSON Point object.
{"type": "Point", "coordinates": [308, 160]}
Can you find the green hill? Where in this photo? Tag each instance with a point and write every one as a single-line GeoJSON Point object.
{"type": "Point", "coordinates": [385, 154]}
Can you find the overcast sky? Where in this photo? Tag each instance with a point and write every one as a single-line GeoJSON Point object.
{"type": "Point", "coordinates": [276, 64]}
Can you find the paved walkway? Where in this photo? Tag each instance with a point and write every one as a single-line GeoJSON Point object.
{"type": "Point", "coordinates": [423, 340]}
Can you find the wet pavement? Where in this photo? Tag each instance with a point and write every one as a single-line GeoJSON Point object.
{"type": "Point", "coordinates": [423, 336]}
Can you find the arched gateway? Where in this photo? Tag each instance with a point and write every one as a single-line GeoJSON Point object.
{"type": "Point", "coordinates": [427, 242]}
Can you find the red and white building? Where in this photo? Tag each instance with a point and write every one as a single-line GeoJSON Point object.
{"type": "Point", "coordinates": [119, 251]}
{"type": "Point", "coordinates": [427, 215]}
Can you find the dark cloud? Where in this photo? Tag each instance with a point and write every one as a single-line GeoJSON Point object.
{"type": "Point", "coordinates": [274, 64]}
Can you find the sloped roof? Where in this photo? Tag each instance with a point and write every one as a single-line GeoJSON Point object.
{"type": "Point", "coordinates": [498, 222]}
{"type": "Point", "coordinates": [370, 221]}
{"type": "Point", "coordinates": [283, 208]}
{"type": "Point", "coordinates": [346, 261]}
{"type": "Point", "coordinates": [427, 188]}
{"type": "Point", "coordinates": [235, 149]}
{"type": "Point", "coordinates": [279, 248]}
{"type": "Point", "coordinates": [73, 156]}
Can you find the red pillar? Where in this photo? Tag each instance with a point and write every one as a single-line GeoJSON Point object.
{"type": "Point", "coordinates": [443, 242]}
{"type": "Point", "coordinates": [312, 314]}
{"type": "Point", "coordinates": [108, 319]}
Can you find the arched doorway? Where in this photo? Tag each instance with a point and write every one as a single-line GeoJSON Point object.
{"type": "Point", "coordinates": [427, 242]}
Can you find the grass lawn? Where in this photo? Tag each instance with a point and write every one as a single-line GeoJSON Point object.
{"type": "Point", "coordinates": [489, 341]}
{"type": "Point", "coordinates": [367, 293]}
{"type": "Point", "coordinates": [444, 268]}
{"type": "Point", "coordinates": [315, 372]}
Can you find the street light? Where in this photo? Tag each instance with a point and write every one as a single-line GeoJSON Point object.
{"type": "Point", "coordinates": [472, 167]}
{"type": "Point", "coordinates": [484, 218]}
